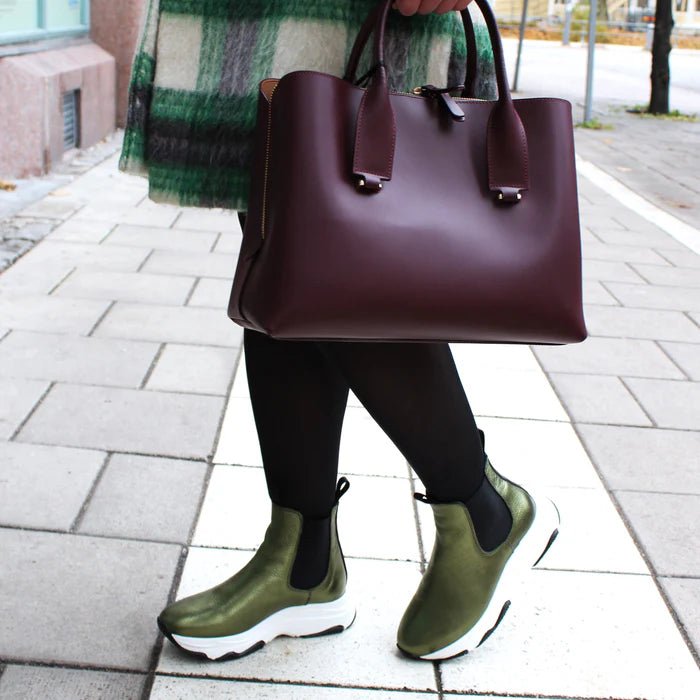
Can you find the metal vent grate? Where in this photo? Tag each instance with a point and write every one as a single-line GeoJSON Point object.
{"type": "Point", "coordinates": [70, 120]}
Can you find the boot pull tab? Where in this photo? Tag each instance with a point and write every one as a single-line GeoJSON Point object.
{"type": "Point", "coordinates": [342, 488]}
{"type": "Point", "coordinates": [421, 497]}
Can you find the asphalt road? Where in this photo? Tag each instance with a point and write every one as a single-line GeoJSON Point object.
{"type": "Point", "coordinates": [621, 74]}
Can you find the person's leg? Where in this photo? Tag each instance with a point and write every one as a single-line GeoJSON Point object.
{"type": "Point", "coordinates": [414, 392]}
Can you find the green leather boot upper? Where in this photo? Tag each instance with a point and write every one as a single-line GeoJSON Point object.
{"type": "Point", "coordinates": [461, 577]}
{"type": "Point", "coordinates": [261, 587]}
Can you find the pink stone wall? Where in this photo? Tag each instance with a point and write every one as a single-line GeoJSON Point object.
{"type": "Point", "coordinates": [31, 111]}
{"type": "Point", "coordinates": [115, 27]}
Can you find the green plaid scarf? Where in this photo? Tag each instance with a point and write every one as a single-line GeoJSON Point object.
{"type": "Point", "coordinates": [194, 83]}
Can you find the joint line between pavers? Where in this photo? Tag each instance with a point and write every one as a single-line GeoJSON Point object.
{"type": "Point", "coordinates": [216, 241]}
{"type": "Point", "coordinates": [101, 318]}
{"type": "Point", "coordinates": [32, 411]}
{"type": "Point", "coordinates": [176, 219]}
{"type": "Point", "coordinates": [152, 366]}
{"type": "Point", "coordinates": [61, 281]}
{"type": "Point", "coordinates": [673, 361]}
{"type": "Point", "coordinates": [630, 391]}
{"type": "Point", "coordinates": [145, 260]}
{"type": "Point", "coordinates": [190, 294]}
{"type": "Point", "coordinates": [687, 313]}
{"type": "Point", "coordinates": [77, 522]}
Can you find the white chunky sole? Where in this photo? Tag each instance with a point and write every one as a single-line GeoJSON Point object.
{"type": "Point", "coordinates": [531, 549]}
{"type": "Point", "coordinates": [295, 621]}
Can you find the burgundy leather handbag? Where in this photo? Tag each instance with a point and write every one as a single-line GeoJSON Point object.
{"type": "Point", "coordinates": [376, 215]}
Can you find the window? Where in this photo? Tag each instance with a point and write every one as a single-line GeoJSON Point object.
{"type": "Point", "coordinates": [30, 20]}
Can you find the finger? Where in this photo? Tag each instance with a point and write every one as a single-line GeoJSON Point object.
{"type": "Point", "coordinates": [407, 7]}
{"type": "Point", "coordinates": [446, 6]}
{"type": "Point", "coordinates": [428, 6]}
{"type": "Point", "coordinates": [462, 5]}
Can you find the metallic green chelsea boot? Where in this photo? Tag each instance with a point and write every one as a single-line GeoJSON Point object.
{"type": "Point", "coordinates": [259, 602]}
{"type": "Point", "coordinates": [465, 590]}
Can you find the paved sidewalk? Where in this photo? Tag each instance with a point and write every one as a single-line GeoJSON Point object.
{"type": "Point", "coordinates": [130, 473]}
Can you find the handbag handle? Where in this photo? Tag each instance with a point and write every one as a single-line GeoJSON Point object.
{"type": "Point", "coordinates": [367, 27]}
{"type": "Point", "coordinates": [375, 130]}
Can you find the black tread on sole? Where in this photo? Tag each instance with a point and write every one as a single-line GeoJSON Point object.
{"type": "Point", "coordinates": [337, 629]}
{"type": "Point", "coordinates": [489, 632]}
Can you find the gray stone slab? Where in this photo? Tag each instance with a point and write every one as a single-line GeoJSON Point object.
{"type": "Point", "coordinates": [47, 683]}
{"type": "Point", "coordinates": [598, 399]}
{"type": "Point", "coordinates": [642, 239]}
{"type": "Point", "coordinates": [160, 238]}
{"type": "Point", "coordinates": [149, 213]}
{"type": "Point", "coordinates": [197, 264]}
{"type": "Point", "coordinates": [219, 220]}
{"type": "Point", "coordinates": [19, 396]}
{"type": "Point", "coordinates": [630, 254]}
{"type": "Point", "coordinates": [90, 255]}
{"type": "Point", "coordinates": [146, 498]}
{"type": "Point", "coordinates": [170, 324]}
{"type": "Point", "coordinates": [656, 297]}
{"type": "Point", "coordinates": [670, 276]}
{"type": "Point", "coordinates": [687, 355]}
{"type": "Point", "coordinates": [127, 286]}
{"type": "Point", "coordinates": [651, 324]}
{"type": "Point", "coordinates": [619, 356]}
{"type": "Point", "coordinates": [126, 420]}
{"type": "Point", "coordinates": [595, 293]}
{"type": "Point", "coordinates": [82, 600]}
{"type": "Point", "coordinates": [229, 242]}
{"type": "Point", "coordinates": [76, 359]}
{"type": "Point", "coordinates": [199, 370]}
{"type": "Point", "coordinates": [682, 258]}
{"type": "Point", "coordinates": [81, 231]}
{"type": "Point", "coordinates": [213, 293]}
{"type": "Point", "coordinates": [647, 459]}
{"type": "Point", "coordinates": [610, 271]}
{"type": "Point", "coordinates": [50, 314]}
{"type": "Point", "coordinates": [44, 487]}
{"type": "Point", "coordinates": [30, 276]}
{"type": "Point", "coordinates": [666, 524]}
{"type": "Point", "coordinates": [684, 594]}
{"type": "Point", "coordinates": [671, 404]}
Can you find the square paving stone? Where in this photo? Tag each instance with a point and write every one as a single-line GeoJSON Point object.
{"type": "Point", "coordinates": [162, 238]}
{"type": "Point", "coordinates": [609, 270]}
{"type": "Point", "coordinates": [197, 264]}
{"type": "Point", "coordinates": [34, 682]}
{"type": "Point", "coordinates": [50, 314]}
{"type": "Point", "coordinates": [671, 276]}
{"type": "Point", "coordinates": [645, 459]}
{"type": "Point", "coordinates": [146, 498]}
{"type": "Point", "coordinates": [175, 688]}
{"type": "Point", "coordinates": [229, 242]}
{"type": "Point", "coordinates": [44, 487]}
{"type": "Point", "coordinates": [667, 527]}
{"type": "Point", "coordinates": [684, 594]}
{"type": "Point", "coordinates": [651, 324]}
{"type": "Point", "coordinates": [76, 359]}
{"type": "Point", "coordinates": [213, 293]}
{"type": "Point", "coordinates": [647, 296]}
{"type": "Point", "coordinates": [199, 370]}
{"type": "Point", "coordinates": [573, 634]}
{"type": "Point", "coordinates": [220, 220]}
{"type": "Point", "coordinates": [598, 399]}
{"type": "Point", "coordinates": [90, 255]}
{"type": "Point", "coordinates": [620, 356]}
{"type": "Point", "coordinates": [682, 258]}
{"type": "Point", "coordinates": [363, 655]}
{"type": "Point", "coordinates": [170, 324]}
{"type": "Point", "coordinates": [671, 404]}
{"type": "Point", "coordinates": [82, 600]}
{"type": "Point", "coordinates": [687, 355]}
{"type": "Point", "coordinates": [126, 420]}
{"type": "Point", "coordinates": [81, 231]}
{"type": "Point", "coordinates": [19, 396]}
{"type": "Point", "coordinates": [127, 286]}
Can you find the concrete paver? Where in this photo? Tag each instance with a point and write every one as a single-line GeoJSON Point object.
{"type": "Point", "coordinates": [145, 498]}
{"type": "Point", "coordinates": [650, 324]}
{"type": "Point", "coordinates": [684, 595]}
{"type": "Point", "coordinates": [162, 238]}
{"type": "Point", "coordinates": [686, 356]}
{"type": "Point", "coordinates": [35, 312]}
{"type": "Point", "coordinates": [670, 404]}
{"type": "Point", "coordinates": [19, 398]}
{"type": "Point", "coordinates": [70, 599]}
{"type": "Point", "coordinates": [213, 293]}
{"type": "Point", "coordinates": [68, 684]}
{"type": "Point", "coordinates": [45, 487]}
{"type": "Point", "coordinates": [128, 420]}
{"type": "Point", "coordinates": [175, 262]}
